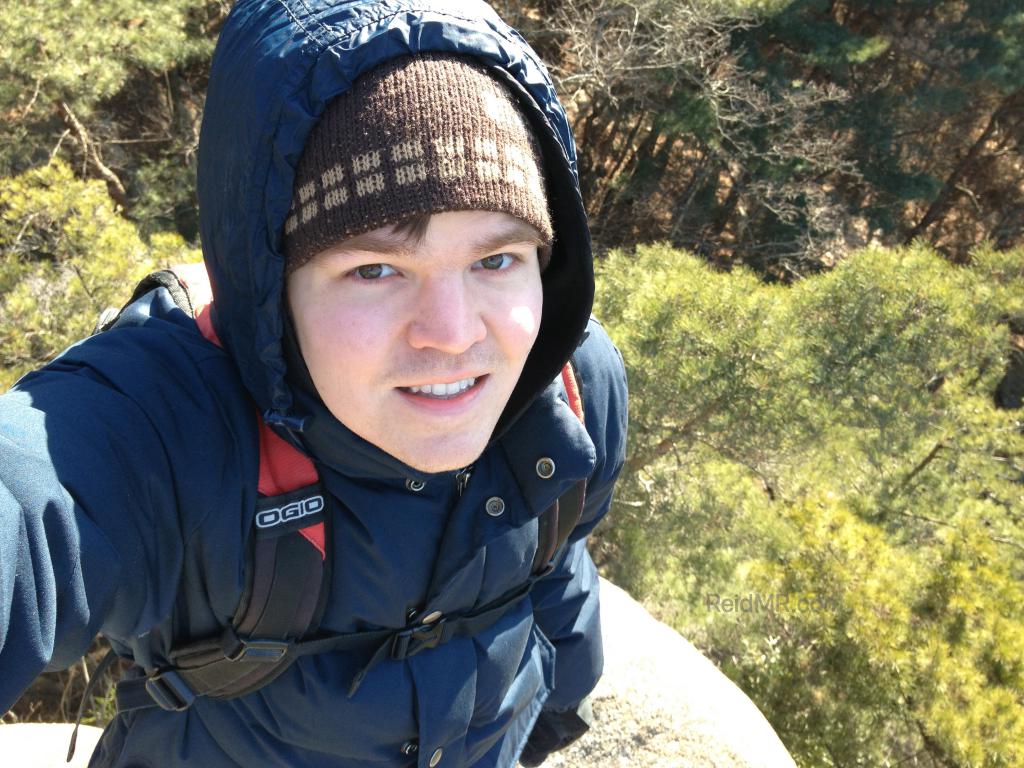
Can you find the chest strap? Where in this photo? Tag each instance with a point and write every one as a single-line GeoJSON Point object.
{"type": "Point", "coordinates": [175, 688]}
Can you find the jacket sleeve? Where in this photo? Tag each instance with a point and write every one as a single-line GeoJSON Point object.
{"type": "Point", "coordinates": [90, 534]}
{"type": "Point", "coordinates": [566, 600]}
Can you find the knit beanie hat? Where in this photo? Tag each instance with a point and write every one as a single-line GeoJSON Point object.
{"type": "Point", "coordinates": [417, 135]}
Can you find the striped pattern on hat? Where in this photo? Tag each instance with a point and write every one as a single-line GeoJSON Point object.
{"type": "Point", "coordinates": [417, 135]}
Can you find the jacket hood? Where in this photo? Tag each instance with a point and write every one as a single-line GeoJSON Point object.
{"type": "Point", "coordinates": [276, 66]}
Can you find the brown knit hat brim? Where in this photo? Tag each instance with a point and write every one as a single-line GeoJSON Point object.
{"type": "Point", "coordinates": [417, 135]}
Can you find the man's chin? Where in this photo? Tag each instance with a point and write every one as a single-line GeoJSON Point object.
{"type": "Point", "coordinates": [448, 465]}
{"type": "Point", "coordinates": [435, 458]}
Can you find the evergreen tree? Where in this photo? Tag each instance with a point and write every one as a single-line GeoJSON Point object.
{"type": "Point", "coordinates": [66, 254]}
{"type": "Point", "coordinates": [831, 452]}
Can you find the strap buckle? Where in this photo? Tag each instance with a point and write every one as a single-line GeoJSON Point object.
{"type": "Point", "coordinates": [266, 651]}
{"type": "Point", "coordinates": [237, 648]}
{"type": "Point", "coordinates": [409, 642]}
{"type": "Point", "coordinates": [169, 691]}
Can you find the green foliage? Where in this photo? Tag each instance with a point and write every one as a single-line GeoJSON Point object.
{"type": "Point", "coordinates": [1003, 273]}
{"type": "Point", "coordinates": [829, 451]}
{"type": "Point", "coordinates": [829, 457]}
{"type": "Point", "coordinates": [65, 255]}
{"type": "Point", "coordinates": [925, 81]}
{"type": "Point", "coordinates": [115, 89]}
{"type": "Point", "coordinates": [84, 52]}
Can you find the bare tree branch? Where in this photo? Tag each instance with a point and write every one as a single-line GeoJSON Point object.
{"type": "Point", "coordinates": [90, 151]}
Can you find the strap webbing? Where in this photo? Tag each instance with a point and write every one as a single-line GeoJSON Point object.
{"type": "Point", "coordinates": [573, 390]}
{"type": "Point", "coordinates": [104, 665]}
{"type": "Point", "coordinates": [175, 689]}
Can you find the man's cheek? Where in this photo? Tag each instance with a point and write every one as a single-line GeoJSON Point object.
{"type": "Point", "coordinates": [526, 319]}
{"type": "Point", "coordinates": [343, 345]}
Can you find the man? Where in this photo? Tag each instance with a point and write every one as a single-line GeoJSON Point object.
{"type": "Point", "coordinates": [401, 270]}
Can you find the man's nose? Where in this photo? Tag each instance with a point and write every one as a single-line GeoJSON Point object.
{"type": "Point", "coordinates": [446, 316]}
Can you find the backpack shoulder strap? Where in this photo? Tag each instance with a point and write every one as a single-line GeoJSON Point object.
{"type": "Point", "coordinates": [556, 523]}
{"type": "Point", "coordinates": [573, 390]}
{"type": "Point", "coordinates": [287, 567]}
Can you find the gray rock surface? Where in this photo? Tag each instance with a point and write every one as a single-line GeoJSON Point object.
{"type": "Point", "coordinates": [45, 745]}
{"type": "Point", "coordinates": [660, 704]}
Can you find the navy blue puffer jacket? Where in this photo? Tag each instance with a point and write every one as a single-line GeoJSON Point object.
{"type": "Point", "coordinates": [128, 466]}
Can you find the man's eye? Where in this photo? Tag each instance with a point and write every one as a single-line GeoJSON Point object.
{"type": "Point", "coordinates": [373, 271]}
{"type": "Point", "coordinates": [498, 261]}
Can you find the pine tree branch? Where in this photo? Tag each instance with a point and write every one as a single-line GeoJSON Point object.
{"type": "Point", "coordinates": [922, 464]}
{"type": "Point", "coordinates": [668, 443]}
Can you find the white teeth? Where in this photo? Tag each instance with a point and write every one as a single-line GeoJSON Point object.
{"type": "Point", "coordinates": [443, 390]}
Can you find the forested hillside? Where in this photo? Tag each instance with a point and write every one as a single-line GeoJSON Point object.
{"type": "Point", "coordinates": [809, 218]}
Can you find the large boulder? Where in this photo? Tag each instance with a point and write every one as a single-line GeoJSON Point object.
{"type": "Point", "coordinates": [45, 745]}
{"type": "Point", "coordinates": [661, 704]}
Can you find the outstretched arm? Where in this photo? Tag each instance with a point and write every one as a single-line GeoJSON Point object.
{"type": "Point", "coordinates": [70, 544]}
{"type": "Point", "coordinates": [94, 512]}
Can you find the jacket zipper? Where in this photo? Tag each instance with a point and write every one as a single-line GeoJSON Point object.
{"type": "Point", "coordinates": [462, 479]}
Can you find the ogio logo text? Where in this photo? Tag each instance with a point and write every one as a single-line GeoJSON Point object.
{"type": "Point", "coordinates": [271, 517]}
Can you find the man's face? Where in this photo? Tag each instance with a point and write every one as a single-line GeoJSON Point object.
{"type": "Point", "coordinates": [379, 318]}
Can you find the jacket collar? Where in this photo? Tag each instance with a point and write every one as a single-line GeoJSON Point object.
{"type": "Point", "coordinates": [548, 429]}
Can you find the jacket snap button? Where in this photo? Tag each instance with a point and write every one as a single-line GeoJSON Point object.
{"type": "Point", "coordinates": [436, 757]}
{"type": "Point", "coordinates": [546, 468]}
{"type": "Point", "coordinates": [495, 506]}
{"type": "Point", "coordinates": [415, 485]}
{"type": "Point", "coordinates": [410, 748]}
{"type": "Point", "coordinates": [431, 617]}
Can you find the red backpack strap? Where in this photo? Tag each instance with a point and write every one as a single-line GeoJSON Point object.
{"type": "Point", "coordinates": [573, 391]}
{"type": "Point", "coordinates": [283, 467]}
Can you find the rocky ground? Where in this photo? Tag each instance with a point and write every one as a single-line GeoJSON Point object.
{"type": "Point", "coordinates": [661, 704]}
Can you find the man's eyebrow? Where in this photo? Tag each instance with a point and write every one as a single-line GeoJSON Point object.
{"type": "Point", "coordinates": [517, 231]}
{"type": "Point", "coordinates": [374, 242]}
{"type": "Point", "coordinates": [391, 244]}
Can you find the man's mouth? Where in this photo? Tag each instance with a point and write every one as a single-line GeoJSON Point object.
{"type": "Point", "coordinates": [442, 390]}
